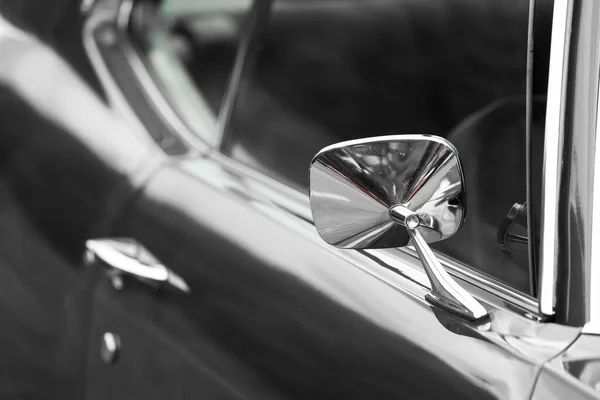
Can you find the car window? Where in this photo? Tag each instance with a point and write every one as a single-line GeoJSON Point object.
{"type": "Point", "coordinates": [317, 72]}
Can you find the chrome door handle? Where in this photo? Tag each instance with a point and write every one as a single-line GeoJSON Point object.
{"type": "Point", "coordinates": [128, 257]}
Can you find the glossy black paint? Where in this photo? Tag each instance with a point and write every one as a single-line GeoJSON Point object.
{"type": "Point", "coordinates": [163, 355]}
{"type": "Point", "coordinates": [306, 321]}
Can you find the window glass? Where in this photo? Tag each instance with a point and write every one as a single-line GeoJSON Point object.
{"type": "Point", "coordinates": [309, 73]}
{"type": "Point", "coordinates": [321, 72]}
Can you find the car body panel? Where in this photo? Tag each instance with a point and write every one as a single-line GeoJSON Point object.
{"type": "Point", "coordinates": [308, 320]}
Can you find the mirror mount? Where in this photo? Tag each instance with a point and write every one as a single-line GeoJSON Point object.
{"type": "Point", "coordinates": [445, 292]}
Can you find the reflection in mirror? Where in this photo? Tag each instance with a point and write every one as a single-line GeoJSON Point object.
{"type": "Point", "coordinates": [354, 184]}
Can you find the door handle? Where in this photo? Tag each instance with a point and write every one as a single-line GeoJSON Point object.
{"type": "Point", "coordinates": [128, 257]}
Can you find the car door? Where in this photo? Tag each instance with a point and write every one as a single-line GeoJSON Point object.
{"type": "Point", "coordinates": [271, 310]}
{"type": "Point", "coordinates": [300, 320]}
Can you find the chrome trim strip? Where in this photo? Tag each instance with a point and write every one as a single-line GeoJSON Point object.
{"type": "Point", "coordinates": [117, 98]}
{"type": "Point", "coordinates": [553, 155]}
{"type": "Point", "coordinates": [593, 325]}
{"type": "Point", "coordinates": [531, 231]}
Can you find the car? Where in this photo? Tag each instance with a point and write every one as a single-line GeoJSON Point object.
{"type": "Point", "coordinates": [285, 199]}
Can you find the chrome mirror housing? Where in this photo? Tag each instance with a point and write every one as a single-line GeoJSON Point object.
{"type": "Point", "coordinates": [386, 191]}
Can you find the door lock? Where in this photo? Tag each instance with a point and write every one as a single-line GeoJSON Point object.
{"type": "Point", "coordinates": [110, 348]}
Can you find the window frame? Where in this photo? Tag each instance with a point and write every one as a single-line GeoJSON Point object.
{"type": "Point", "coordinates": [570, 274]}
{"type": "Point", "coordinates": [291, 198]}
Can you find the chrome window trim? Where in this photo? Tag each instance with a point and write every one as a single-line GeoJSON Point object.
{"type": "Point", "coordinates": [116, 98]}
{"type": "Point", "coordinates": [404, 260]}
{"type": "Point", "coordinates": [529, 98]}
{"type": "Point", "coordinates": [593, 324]}
{"type": "Point", "coordinates": [568, 268]}
{"type": "Point", "coordinates": [553, 155]}
{"type": "Point", "coordinates": [115, 14]}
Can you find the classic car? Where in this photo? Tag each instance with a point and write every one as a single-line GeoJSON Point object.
{"type": "Point", "coordinates": [299, 199]}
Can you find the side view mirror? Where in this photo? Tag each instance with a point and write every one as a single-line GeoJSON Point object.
{"type": "Point", "coordinates": [385, 191]}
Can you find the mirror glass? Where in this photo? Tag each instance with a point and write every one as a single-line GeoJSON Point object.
{"type": "Point", "coordinates": [354, 184]}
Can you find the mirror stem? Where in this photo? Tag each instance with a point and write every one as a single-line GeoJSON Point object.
{"type": "Point", "coordinates": [445, 292]}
